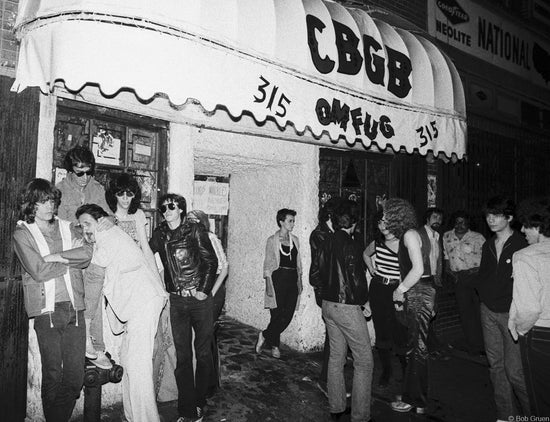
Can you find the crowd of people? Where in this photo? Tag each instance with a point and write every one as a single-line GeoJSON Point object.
{"type": "Point", "coordinates": [85, 252]}
{"type": "Point", "coordinates": [502, 292]}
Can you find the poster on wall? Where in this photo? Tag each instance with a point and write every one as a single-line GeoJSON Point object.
{"type": "Point", "coordinates": [211, 197]}
{"type": "Point", "coordinates": [106, 148]}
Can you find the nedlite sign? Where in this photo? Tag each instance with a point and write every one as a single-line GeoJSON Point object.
{"type": "Point", "coordinates": [490, 37]}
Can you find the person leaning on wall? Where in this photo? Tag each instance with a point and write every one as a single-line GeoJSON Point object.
{"type": "Point", "coordinates": [190, 271]}
{"type": "Point", "coordinates": [283, 279]}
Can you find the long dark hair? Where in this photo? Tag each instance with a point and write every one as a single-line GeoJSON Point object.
{"type": "Point", "coordinates": [125, 182]}
{"type": "Point", "coordinates": [37, 190]}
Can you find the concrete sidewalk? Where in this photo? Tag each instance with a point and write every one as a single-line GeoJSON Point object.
{"type": "Point", "coordinates": [261, 388]}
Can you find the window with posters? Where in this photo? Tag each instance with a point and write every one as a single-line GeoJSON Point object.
{"type": "Point", "coordinates": [121, 142]}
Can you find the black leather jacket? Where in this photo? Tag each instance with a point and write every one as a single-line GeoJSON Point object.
{"type": "Point", "coordinates": [316, 239]}
{"type": "Point", "coordinates": [342, 270]}
{"type": "Point", "coordinates": [190, 251]}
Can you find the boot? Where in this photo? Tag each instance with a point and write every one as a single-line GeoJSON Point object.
{"type": "Point", "coordinates": [385, 360]}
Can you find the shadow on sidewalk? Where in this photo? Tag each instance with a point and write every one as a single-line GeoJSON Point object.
{"type": "Point", "coordinates": [258, 388]}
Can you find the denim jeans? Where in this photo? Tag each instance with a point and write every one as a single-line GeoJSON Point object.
{"type": "Point", "coordinates": [188, 314]}
{"type": "Point", "coordinates": [419, 310]}
{"type": "Point", "coordinates": [535, 354]}
{"type": "Point", "coordinates": [347, 326]}
{"type": "Point", "coordinates": [285, 283]}
{"type": "Point", "coordinates": [505, 366]}
{"type": "Point", "coordinates": [62, 345]}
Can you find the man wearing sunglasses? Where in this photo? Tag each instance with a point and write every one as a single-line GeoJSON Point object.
{"type": "Point", "coordinates": [79, 188]}
{"type": "Point", "coordinates": [190, 265]}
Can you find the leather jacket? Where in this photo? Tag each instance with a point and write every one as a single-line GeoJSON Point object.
{"type": "Point", "coordinates": [316, 239]}
{"type": "Point", "coordinates": [187, 255]}
{"type": "Point", "coordinates": [342, 270]}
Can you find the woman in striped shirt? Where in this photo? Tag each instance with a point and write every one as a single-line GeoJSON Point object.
{"type": "Point", "coordinates": [383, 264]}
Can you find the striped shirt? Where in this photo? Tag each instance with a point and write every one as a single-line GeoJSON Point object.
{"type": "Point", "coordinates": [387, 262]}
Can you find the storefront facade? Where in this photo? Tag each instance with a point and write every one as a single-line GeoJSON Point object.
{"type": "Point", "coordinates": [259, 93]}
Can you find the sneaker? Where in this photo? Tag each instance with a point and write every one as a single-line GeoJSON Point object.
{"type": "Point", "coordinates": [275, 352]}
{"type": "Point", "coordinates": [102, 361]}
{"type": "Point", "coordinates": [198, 418]}
{"type": "Point", "coordinates": [260, 342]}
{"type": "Point", "coordinates": [401, 406]}
{"type": "Point", "coordinates": [200, 415]}
{"type": "Point", "coordinates": [91, 353]}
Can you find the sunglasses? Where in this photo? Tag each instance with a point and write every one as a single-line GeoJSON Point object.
{"type": "Point", "coordinates": [170, 206]}
{"type": "Point", "coordinates": [82, 173]}
{"type": "Point", "coordinates": [128, 193]}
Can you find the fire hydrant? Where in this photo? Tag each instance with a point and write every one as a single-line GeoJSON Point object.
{"type": "Point", "coordinates": [94, 378]}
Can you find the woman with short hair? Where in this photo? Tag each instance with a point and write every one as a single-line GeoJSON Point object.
{"type": "Point", "coordinates": [283, 276]}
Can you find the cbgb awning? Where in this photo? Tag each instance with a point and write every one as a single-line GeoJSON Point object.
{"type": "Point", "coordinates": [312, 64]}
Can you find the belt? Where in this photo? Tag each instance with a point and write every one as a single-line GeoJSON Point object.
{"type": "Point", "coordinates": [287, 268]}
{"type": "Point", "coordinates": [427, 276]}
{"type": "Point", "coordinates": [386, 281]}
{"type": "Point", "coordinates": [185, 292]}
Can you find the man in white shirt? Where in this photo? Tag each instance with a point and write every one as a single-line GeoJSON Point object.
{"type": "Point", "coordinates": [530, 310]}
{"type": "Point", "coordinates": [462, 254]}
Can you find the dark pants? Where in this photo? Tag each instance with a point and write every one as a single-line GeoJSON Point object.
{"type": "Point", "coordinates": [505, 367]}
{"type": "Point", "coordinates": [535, 354]}
{"type": "Point", "coordinates": [285, 283]}
{"type": "Point", "coordinates": [467, 302]}
{"type": "Point", "coordinates": [187, 314]}
{"type": "Point", "coordinates": [390, 334]}
{"type": "Point", "coordinates": [419, 308]}
{"type": "Point", "coordinates": [62, 350]}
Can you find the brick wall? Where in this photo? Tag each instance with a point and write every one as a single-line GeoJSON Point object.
{"type": "Point", "coordinates": [8, 44]}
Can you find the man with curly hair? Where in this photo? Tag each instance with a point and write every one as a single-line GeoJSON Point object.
{"type": "Point", "coordinates": [415, 295]}
{"type": "Point", "coordinates": [530, 309]}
